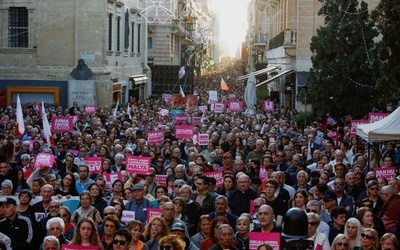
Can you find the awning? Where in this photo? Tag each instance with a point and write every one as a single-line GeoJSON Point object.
{"type": "Point", "coordinates": [139, 79]}
{"type": "Point", "coordinates": [257, 73]}
{"type": "Point", "coordinates": [282, 74]}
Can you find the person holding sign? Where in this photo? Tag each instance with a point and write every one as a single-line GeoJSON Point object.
{"type": "Point", "coordinates": [86, 234]}
{"type": "Point", "coordinates": [139, 204]}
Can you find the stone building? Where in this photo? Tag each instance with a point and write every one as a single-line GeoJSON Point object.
{"type": "Point", "coordinates": [41, 42]}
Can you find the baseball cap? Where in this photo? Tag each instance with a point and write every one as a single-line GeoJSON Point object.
{"type": "Point", "coordinates": [137, 187]}
{"type": "Point", "coordinates": [178, 227]}
{"type": "Point", "coordinates": [227, 154]}
{"type": "Point", "coordinates": [8, 201]}
{"type": "Point", "coordinates": [329, 195]}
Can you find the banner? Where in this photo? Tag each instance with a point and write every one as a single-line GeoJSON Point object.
{"type": "Point", "coordinates": [272, 239]}
{"type": "Point", "coordinates": [163, 112]}
{"type": "Point", "coordinates": [166, 97]}
{"type": "Point", "coordinates": [139, 165]}
{"type": "Point", "coordinates": [353, 126]}
{"type": "Point", "coordinates": [196, 121]}
{"type": "Point", "coordinates": [269, 106]}
{"type": "Point", "coordinates": [212, 96]}
{"type": "Point", "coordinates": [155, 137]}
{"type": "Point", "coordinates": [77, 247]}
{"type": "Point", "coordinates": [180, 118]}
{"type": "Point", "coordinates": [219, 107]}
{"type": "Point", "coordinates": [161, 179]}
{"type": "Point", "coordinates": [94, 164]}
{"type": "Point", "coordinates": [203, 139]}
{"type": "Point", "coordinates": [235, 106]}
{"type": "Point", "coordinates": [90, 109]}
{"type": "Point", "coordinates": [61, 124]}
{"type": "Point", "coordinates": [388, 173]}
{"type": "Point", "coordinates": [184, 131]}
{"type": "Point", "coordinates": [44, 160]}
{"type": "Point", "coordinates": [110, 178]}
{"type": "Point", "coordinates": [127, 216]}
{"type": "Point", "coordinates": [374, 117]}
{"type": "Point", "coordinates": [263, 173]}
{"type": "Point", "coordinates": [153, 212]}
{"type": "Point", "coordinates": [218, 175]}
{"type": "Point", "coordinates": [203, 108]}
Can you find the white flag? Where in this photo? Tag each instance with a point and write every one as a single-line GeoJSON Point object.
{"type": "Point", "coordinates": [115, 110]}
{"type": "Point", "coordinates": [181, 91]}
{"type": "Point", "coordinates": [46, 126]}
{"type": "Point", "coordinates": [128, 110]}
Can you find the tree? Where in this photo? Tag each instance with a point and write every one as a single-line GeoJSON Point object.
{"type": "Point", "coordinates": [387, 19]}
{"type": "Point", "coordinates": [343, 74]}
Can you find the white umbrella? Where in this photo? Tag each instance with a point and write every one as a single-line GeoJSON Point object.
{"type": "Point", "coordinates": [250, 95]}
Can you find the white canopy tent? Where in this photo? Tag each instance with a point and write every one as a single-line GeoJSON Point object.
{"type": "Point", "coordinates": [387, 129]}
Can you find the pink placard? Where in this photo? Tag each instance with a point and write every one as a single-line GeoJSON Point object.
{"type": "Point", "coordinates": [76, 247]}
{"type": "Point", "coordinates": [272, 239]}
{"type": "Point", "coordinates": [110, 178]}
{"type": "Point", "coordinates": [90, 109]}
{"type": "Point", "coordinates": [269, 106]}
{"type": "Point", "coordinates": [139, 165]}
{"type": "Point", "coordinates": [203, 108]}
{"type": "Point", "coordinates": [263, 173]}
{"type": "Point", "coordinates": [184, 131]}
{"type": "Point", "coordinates": [353, 126]}
{"type": "Point", "coordinates": [155, 137]}
{"type": "Point", "coordinates": [218, 107]}
{"type": "Point", "coordinates": [74, 119]}
{"type": "Point", "coordinates": [203, 139]}
{"type": "Point", "coordinates": [36, 107]}
{"type": "Point", "coordinates": [218, 175]}
{"type": "Point", "coordinates": [61, 124]}
{"type": "Point", "coordinates": [181, 118]}
{"type": "Point", "coordinates": [252, 210]}
{"type": "Point", "coordinates": [166, 97]}
{"type": "Point", "coordinates": [164, 112]}
{"type": "Point", "coordinates": [374, 117]}
{"type": "Point", "coordinates": [387, 173]}
{"type": "Point", "coordinates": [235, 106]}
{"type": "Point", "coordinates": [161, 179]}
{"type": "Point", "coordinates": [196, 121]}
{"type": "Point", "coordinates": [153, 212]}
{"type": "Point", "coordinates": [127, 216]}
{"type": "Point", "coordinates": [94, 164]}
{"type": "Point", "coordinates": [44, 160]}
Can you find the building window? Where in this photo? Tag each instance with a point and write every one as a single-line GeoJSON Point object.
{"type": "Point", "coordinates": [150, 43]}
{"type": "Point", "coordinates": [133, 38]}
{"type": "Point", "coordinates": [110, 32]}
{"type": "Point", "coordinates": [18, 27]}
{"type": "Point", "coordinates": [119, 33]}
{"type": "Point", "coordinates": [138, 35]}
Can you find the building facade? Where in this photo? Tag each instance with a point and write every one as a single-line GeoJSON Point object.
{"type": "Point", "coordinates": [42, 41]}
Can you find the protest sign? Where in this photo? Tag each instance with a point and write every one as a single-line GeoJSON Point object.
{"type": "Point", "coordinates": [137, 164]}
{"type": "Point", "coordinates": [184, 131]}
{"type": "Point", "coordinates": [155, 137]}
{"type": "Point", "coordinates": [61, 124]}
{"type": "Point", "coordinates": [90, 109]}
{"type": "Point", "coordinates": [94, 164]}
{"type": "Point", "coordinates": [218, 175]}
{"type": "Point", "coordinates": [44, 160]}
{"type": "Point", "coordinates": [272, 239]}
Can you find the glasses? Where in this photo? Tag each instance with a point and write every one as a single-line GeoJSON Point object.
{"type": "Point", "coordinates": [160, 161]}
{"type": "Point", "coordinates": [54, 206]}
{"type": "Point", "coordinates": [62, 215]}
{"type": "Point", "coordinates": [55, 228]}
{"type": "Point", "coordinates": [68, 179]}
{"type": "Point", "coordinates": [367, 236]}
{"type": "Point", "coordinates": [119, 242]}
{"type": "Point", "coordinates": [111, 226]}
{"type": "Point", "coordinates": [338, 183]}
{"type": "Point", "coordinates": [373, 188]}
{"type": "Point", "coordinates": [311, 210]}
{"type": "Point", "coordinates": [256, 207]}
{"type": "Point", "coordinates": [313, 224]}
{"type": "Point", "coordinates": [105, 214]}
{"type": "Point", "coordinates": [342, 244]}
{"type": "Point", "coordinates": [68, 161]}
{"type": "Point", "coordinates": [178, 204]}
{"type": "Point", "coordinates": [177, 186]}
{"type": "Point", "coordinates": [165, 247]}
{"type": "Point", "coordinates": [25, 160]}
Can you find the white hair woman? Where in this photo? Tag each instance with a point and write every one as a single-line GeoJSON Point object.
{"type": "Point", "coordinates": [55, 226]}
{"type": "Point", "coordinates": [353, 230]}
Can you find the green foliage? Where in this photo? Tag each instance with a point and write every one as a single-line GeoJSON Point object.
{"type": "Point", "coordinates": [343, 75]}
{"type": "Point", "coordinates": [387, 19]}
{"type": "Point", "coordinates": [301, 118]}
{"type": "Point", "coordinates": [262, 93]}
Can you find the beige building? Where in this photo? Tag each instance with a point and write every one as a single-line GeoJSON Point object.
{"type": "Point", "coordinates": [289, 27]}
{"type": "Point", "coordinates": [41, 42]}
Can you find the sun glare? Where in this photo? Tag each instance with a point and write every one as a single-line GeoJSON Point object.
{"type": "Point", "coordinates": [232, 22]}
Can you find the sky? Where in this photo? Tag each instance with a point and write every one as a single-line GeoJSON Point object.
{"type": "Point", "coordinates": [233, 22]}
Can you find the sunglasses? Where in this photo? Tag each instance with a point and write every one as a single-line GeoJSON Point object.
{"type": "Point", "coordinates": [373, 188]}
{"type": "Point", "coordinates": [178, 186]}
{"type": "Point", "coordinates": [342, 244]}
{"type": "Point", "coordinates": [178, 204]}
{"type": "Point", "coordinates": [165, 247]}
{"type": "Point", "coordinates": [105, 214]}
{"type": "Point", "coordinates": [370, 237]}
{"type": "Point", "coordinates": [311, 210]}
{"type": "Point", "coordinates": [338, 183]}
{"type": "Point", "coordinates": [313, 224]}
{"type": "Point", "coordinates": [62, 215]}
{"type": "Point", "coordinates": [119, 242]}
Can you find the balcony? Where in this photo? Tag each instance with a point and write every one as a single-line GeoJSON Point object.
{"type": "Point", "coordinates": [260, 39]}
{"type": "Point", "coordinates": [286, 38]}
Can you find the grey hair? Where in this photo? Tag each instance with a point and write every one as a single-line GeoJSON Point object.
{"type": "Point", "coordinates": [223, 226]}
{"type": "Point", "coordinates": [7, 183]}
{"type": "Point", "coordinates": [314, 203]}
{"type": "Point", "coordinates": [55, 220]}
{"type": "Point", "coordinates": [53, 239]}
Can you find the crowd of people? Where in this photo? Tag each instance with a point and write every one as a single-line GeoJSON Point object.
{"type": "Point", "coordinates": [269, 165]}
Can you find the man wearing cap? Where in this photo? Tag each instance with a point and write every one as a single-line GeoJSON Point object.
{"type": "Point", "coordinates": [329, 200]}
{"type": "Point", "coordinates": [227, 163]}
{"type": "Point", "coordinates": [178, 229]}
{"type": "Point", "coordinates": [18, 228]}
{"type": "Point", "coordinates": [139, 204]}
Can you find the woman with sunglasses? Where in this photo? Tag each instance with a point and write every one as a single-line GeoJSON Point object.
{"type": "Point", "coordinates": [372, 193]}
{"type": "Point", "coordinates": [340, 243]}
{"type": "Point", "coordinates": [370, 239]}
{"type": "Point", "coordinates": [171, 242]}
{"type": "Point", "coordinates": [352, 229]}
{"type": "Point", "coordinates": [69, 228]}
{"type": "Point", "coordinates": [110, 225]}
